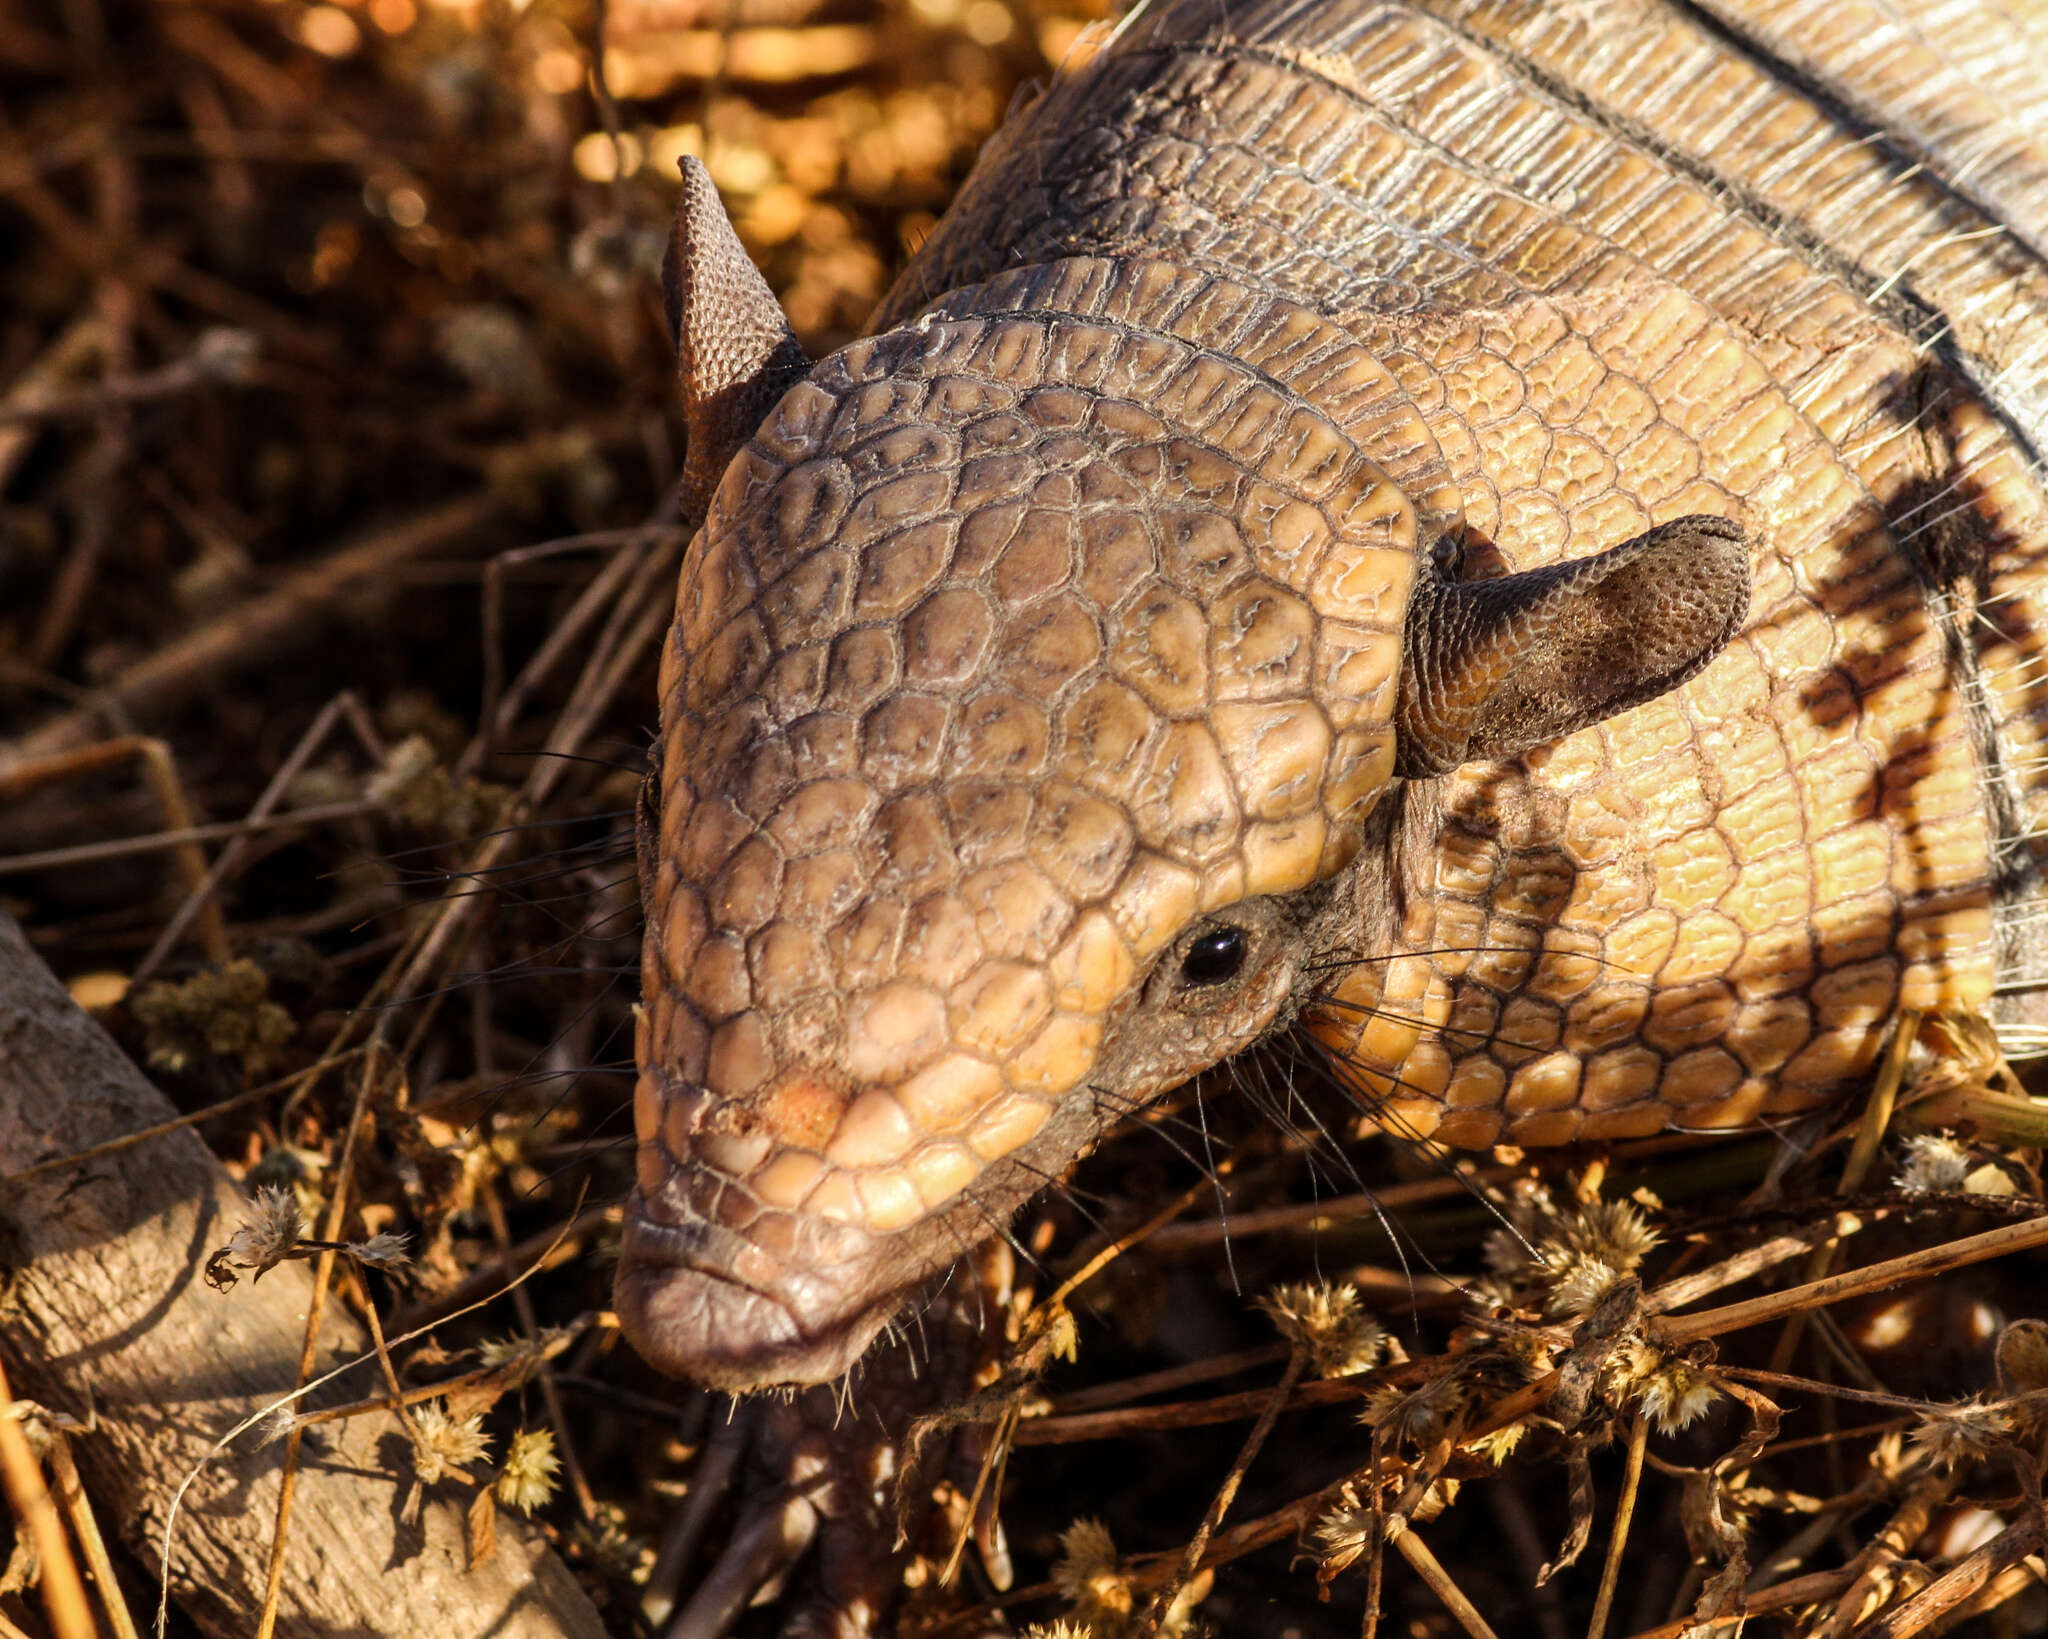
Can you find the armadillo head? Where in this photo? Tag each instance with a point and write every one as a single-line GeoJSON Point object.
{"type": "Point", "coordinates": [1034, 678]}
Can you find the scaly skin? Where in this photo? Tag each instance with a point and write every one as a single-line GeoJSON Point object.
{"type": "Point", "coordinates": [1068, 620]}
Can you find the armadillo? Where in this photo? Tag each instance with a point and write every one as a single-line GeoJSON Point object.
{"type": "Point", "coordinates": [1506, 535]}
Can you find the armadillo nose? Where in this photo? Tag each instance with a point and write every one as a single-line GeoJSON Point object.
{"type": "Point", "coordinates": [728, 1316]}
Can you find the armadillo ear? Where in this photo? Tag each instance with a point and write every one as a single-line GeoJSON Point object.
{"type": "Point", "coordinates": [735, 352]}
{"type": "Point", "coordinates": [1491, 668]}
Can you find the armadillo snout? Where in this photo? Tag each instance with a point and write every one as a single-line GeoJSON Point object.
{"type": "Point", "coordinates": [722, 1278]}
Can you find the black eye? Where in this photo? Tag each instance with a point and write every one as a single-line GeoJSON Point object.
{"type": "Point", "coordinates": [1214, 957]}
{"type": "Point", "coordinates": [1448, 556]}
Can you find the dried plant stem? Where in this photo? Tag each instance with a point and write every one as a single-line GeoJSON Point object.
{"type": "Point", "coordinates": [1309, 1216]}
{"type": "Point", "coordinates": [399, 1404]}
{"type": "Point", "coordinates": [323, 1274]}
{"type": "Point", "coordinates": [1074, 1428]}
{"type": "Point", "coordinates": [249, 1095]}
{"type": "Point", "coordinates": [74, 347]}
{"type": "Point", "coordinates": [2009, 1583]}
{"type": "Point", "coordinates": [1968, 1577]}
{"type": "Point", "coordinates": [1877, 1277]}
{"type": "Point", "coordinates": [998, 1449]}
{"type": "Point", "coordinates": [1107, 1255]}
{"type": "Point", "coordinates": [1226, 1493]}
{"type": "Point", "coordinates": [63, 1592]}
{"type": "Point", "coordinates": [92, 853]}
{"type": "Point", "coordinates": [214, 359]}
{"type": "Point", "coordinates": [254, 630]}
{"type": "Point", "coordinates": [1787, 1595]}
{"type": "Point", "coordinates": [1624, 1516]}
{"type": "Point", "coordinates": [500, 708]}
{"type": "Point", "coordinates": [160, 773]}
{"type": "Point", "coordinates": [544, 1250]}
{"type": "Point", "coordinates": [79, 1507]}
{"type": "Point", "coordinates": [402, 1399]}
{"type": "Point", "coordinates": [344, 706]}
{"type": "Point", "coordinates": [1123, 1390]}
{"type": "Point", "coordinates": [1745, 1265]}
{"type": "Point", "coordinates": [1884, 1550]}
{"type": "Point", "coordinates": [1870, 1131]}
{"type": "Point", "coordinates": [551, 1396]}
{"type": "Point", "coordinates": [1427, 1566]}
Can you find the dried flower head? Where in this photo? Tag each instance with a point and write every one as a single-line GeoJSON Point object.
{"type": "Point", "coordinates": [1530, 1210]}
{"type": "Point", "coordinates": [1589, 1249]}
{"type": "Point", "coordinates": [425, 795]}
{"type": "Point", "coordinates": [494, 1352]}
{"type": "Point", "coordinates": [270, 1230]}
{"type": "Point", "coordinates": [1436, 1497]}
{"type": "Point", "coordinates": [1417, 1416]}
{"type": "Point", "coordinates": [276, 1423]}
{"type": "Point", "coordinates": [1342, 1534]}
{"type": "Point", "coordinates": [1961, 1433]}
{"type": "Point", "coordinates": [383, 1250]}
{"type": "Point", "coordinates": [1935, 1163]}
{"type": "Point", "coordinates": [1330, 1321]}
{"type": "Point", "coordinates": [1500, 1444]}
{"type": "Point", "coordinates": [442, 1444]}
{"type": "Point", "coordinates": [226, 1013]}
{"type": "Point", "coordinates": [1676, 1394]}
{"type": "Point", "coordinates": [1490, 1294]}
{"type": "Point", "coordinates": [518, 1357]}
{"type": "Point", "coordinates": [1062, 1629]}
{"type": "Point", "coordinates": [618, 1555]}
{"type": "Point", "coordinates": [1667, 1388]}
{"type": "Point", "coordinates": [1581, 1285]}
{"type": "Point", "coordinates": [527, 1480]}
{"type": "Point", "coordinates": [1087, 1575]}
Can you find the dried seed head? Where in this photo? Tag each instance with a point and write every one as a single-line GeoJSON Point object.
{"type": "Point", "coordinates": [1498, 1446]}
{"type": "Point", "coordinates": [1675, 1394]}
{"type": "Point", "coordinates": [426, 796]}
{"type": "Point", "coordinates": [1087, 1575]}
{"type": "Point", "coordinates": [1530, 1212]}
{"type": "Point", "coordinates": [1062, 1629]}
{"type": "Point", "coordinates": [527, 1480]}
{"type": "Point", "coordinates": [1416, 1417]}
{"type": "Point", "coordinates": [1489, 1294]}
{"type": "Point", "coordinates": [268, 1233]}
{"type": "Point", "coordinates": [1588, 1250]}
{"type": "Point", "coordinates": [1935, 1163]}
{"type": "Point", "coordinates": [1581, 1284]}
{"type": "Point", "coordinates": [1439, 1496]}
{"type": "Point", "coordinates": [441, 1444]}
{"type": "Point", "coordinates": [1342, 1534]}
{"type": "Point", "coordinates": [226, 1013]}
{"type": "Point", "coordinates": [383, 1250]}
{"type": "Point", "coordinates": [1616, 1232]}
{"type": "Point", "coordinates": [1667, 1388]}
{"type": "Point", "coordinates": [1330, 1322]}
{"type": "Point", "coordinates": [494, 1352]}
{"type": "Point", "coordinates": [275, 1425]}
{"type": "Point", "coordinates": [1962, 1433]}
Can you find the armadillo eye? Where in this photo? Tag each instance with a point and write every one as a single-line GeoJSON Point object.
{"type": "Point", "coordinates": [1214, 957]}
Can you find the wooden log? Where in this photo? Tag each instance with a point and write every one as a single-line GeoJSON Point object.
{"type": "Point", "coordinates": [103, 1309]}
